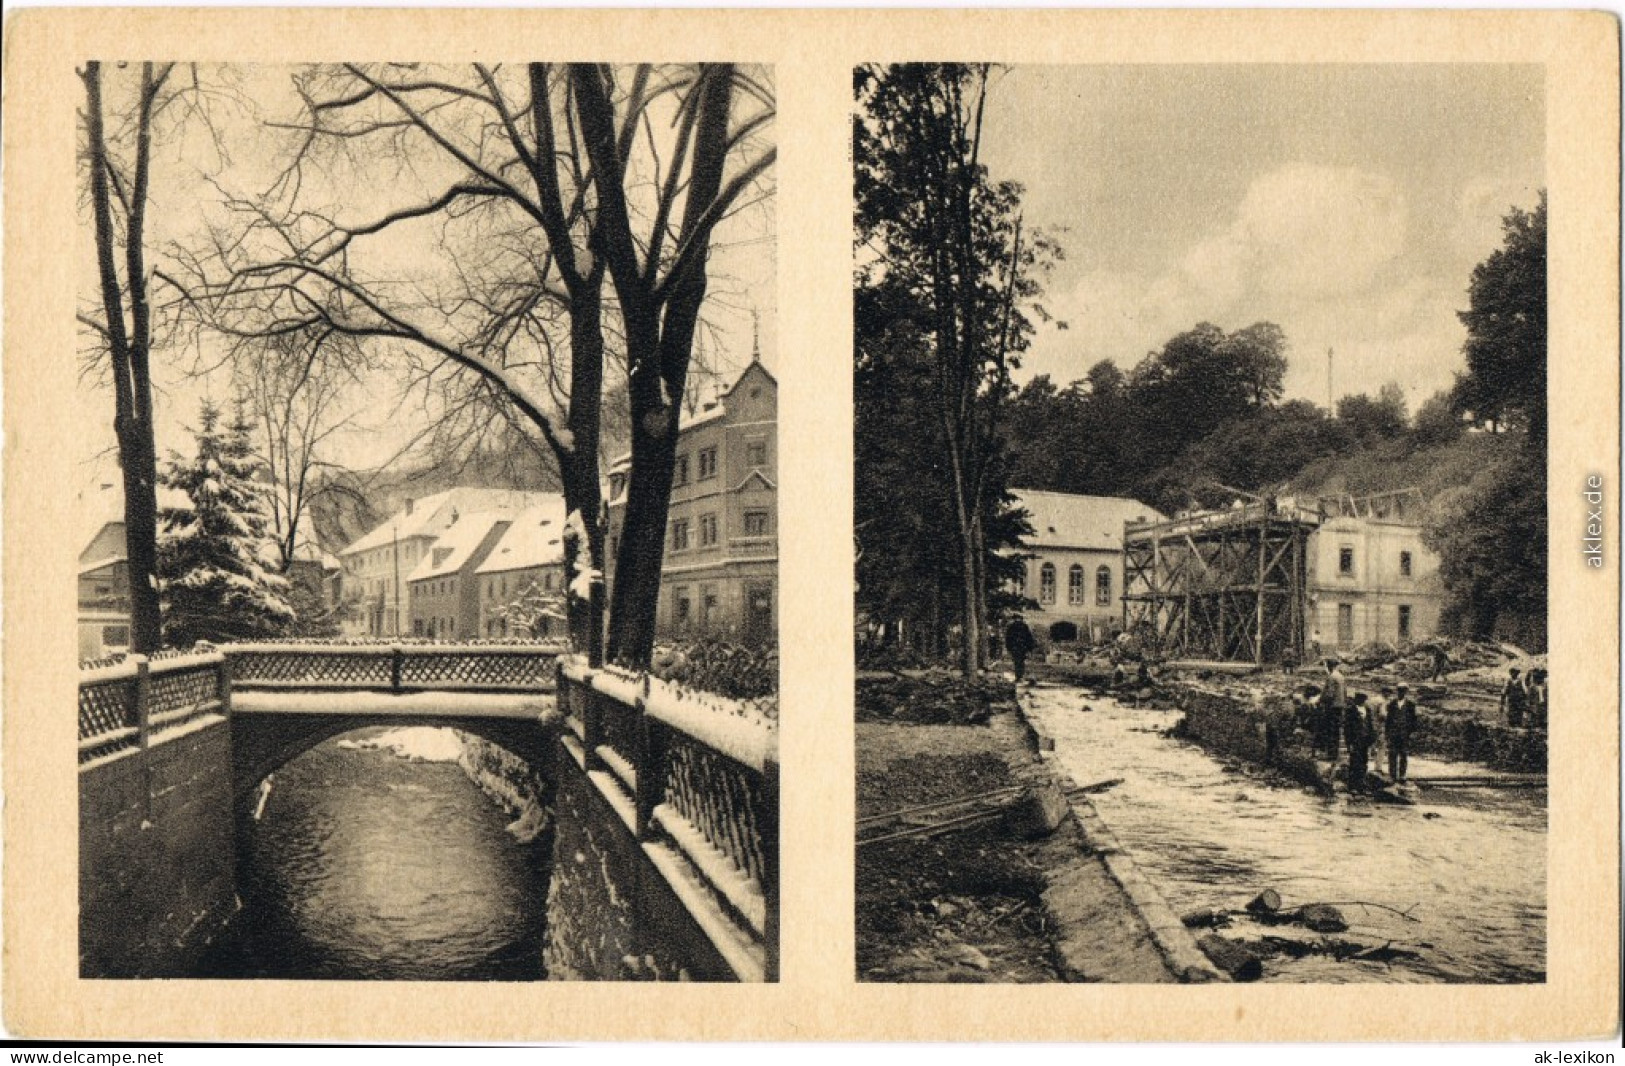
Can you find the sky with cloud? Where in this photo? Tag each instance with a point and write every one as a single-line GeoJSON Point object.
{"type": "Point", "coordinates": [1347, 204]}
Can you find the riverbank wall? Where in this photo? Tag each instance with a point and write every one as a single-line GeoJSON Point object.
{"type": "Point", "coordinates": [1128, 893]}
{"type": "Point", "coordinates": [1258, 727]}
{"type": "Point", "coordinates": [157, 867]}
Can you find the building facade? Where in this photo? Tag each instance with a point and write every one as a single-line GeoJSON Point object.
{"type": "Point", "coordinates": [720, 573]}
{"type": "Point", "coordinates": [442, 590]}
{"type": "Point", "coordinates": [523, 575]}
{"type": "Point", "coordinates": [104, 594]}
{"type": "Point", "coordinates": [1074, 564]}
{"type": "Point", "coordinates": [376, 566]}
{"type": "Point", "coordinates": [1371, 580]}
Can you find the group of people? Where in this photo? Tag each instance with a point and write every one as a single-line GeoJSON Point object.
{"type": "Point", "coordinates": [1335, 718]}
{"type": "Point", "coordinates": [1524, 699]}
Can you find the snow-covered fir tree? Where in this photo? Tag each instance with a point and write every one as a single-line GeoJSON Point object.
{"type": "Point", "coordinates": [216, 555]}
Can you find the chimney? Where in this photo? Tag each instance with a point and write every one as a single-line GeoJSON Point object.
{"type": "Point", "coordinates": [409, 505]}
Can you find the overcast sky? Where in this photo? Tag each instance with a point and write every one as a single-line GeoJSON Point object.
{"type": "Point", "coordinates": [1347, 204]}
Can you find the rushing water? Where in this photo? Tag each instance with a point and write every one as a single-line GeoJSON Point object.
{"type": "Point", "coordinates": [1471, 862]}
{"type": "Point", "coordinates": [367, 865]}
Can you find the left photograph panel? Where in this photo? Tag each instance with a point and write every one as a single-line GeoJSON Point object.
{"type": "Point", "coordinates": [428, 548]}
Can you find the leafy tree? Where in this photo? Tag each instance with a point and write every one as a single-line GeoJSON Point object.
{"type": "Point", "coordinates": [1436, 421]}
{"type": "Point", "coordinates": [1505, 383]}
{"type": "Point", "coordinates": [216, 555]}
{"type": "Point", "coordinates": [1382, 418]}
{"type": "Point", "coordinates": [1492, 544]}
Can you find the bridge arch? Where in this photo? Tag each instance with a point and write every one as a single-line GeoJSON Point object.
{"type": "Point", "coordinates": [264, 743]}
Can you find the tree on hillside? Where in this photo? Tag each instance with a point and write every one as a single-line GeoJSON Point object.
{"type": "Point", "coordinates": [1505, 381]}
{"type": "Point", "coordinates": [1436, 421]}
{"type": "Point", "coordinates": [540, 184]}
{"type": "Point", "coordinates": [216, 554]}
{"type": "Point", "coordinates": [947, 274]}
{"type": "Point", "coordinates": [1371, 419]}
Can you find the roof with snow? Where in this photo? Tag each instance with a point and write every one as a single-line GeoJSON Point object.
{"type": "Point", "coordinates": [456, 545]}
{"type": "Point", "coordinates": [1064, 520]}
{"type": "Point", "coordinates": [536, 538]}
{"type": "Point", "coordinates": [433, 514]}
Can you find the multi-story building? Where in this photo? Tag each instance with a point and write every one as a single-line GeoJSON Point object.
{"type": "Point", "coordinates": [1371, 579]}
{"type": "Point", "coordinates": [1074, 564]}
{"type": "Point", "coordinates": [104, 593]}
{"type": "Point", "coordinates": [527, 564]}
{"type": "Point", "coordinates": [376, 566]}
{"type": "Point", "coordinates": [442, 589]}
{"type": "Point", "coordinates": [720, 574]}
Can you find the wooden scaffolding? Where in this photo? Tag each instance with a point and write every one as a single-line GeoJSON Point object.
{"type": "Point", "coordinates": [1227, 585]}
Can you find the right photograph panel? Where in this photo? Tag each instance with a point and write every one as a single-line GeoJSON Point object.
{"type": "Point", "coordinates": [1200, 512]}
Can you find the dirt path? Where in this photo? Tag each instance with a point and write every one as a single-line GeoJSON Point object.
{"type": "Point", "coordinates": [977, 905]}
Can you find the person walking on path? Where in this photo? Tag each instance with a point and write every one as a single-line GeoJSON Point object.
{"type": "Point", "coordinates": [1514, 699]}
{"type": "Point", "coordinates": [1399, 724]}
{"type": "Point", "coordinates": [1537, 698]}
{"type": "Point", "coordinates": [1019, 642]}
{"type": "Point", "coordinates": [1441, 662]}
{"type": "Point", "coordinates": [1357, 731]}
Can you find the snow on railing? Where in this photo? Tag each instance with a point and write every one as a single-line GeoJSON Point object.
{"type": "Point", "coordinates": [125, 707]}
{"type": "Point", "coordinates": [396, 666]}
{"type": "Point", "coordinates": [701, 775]}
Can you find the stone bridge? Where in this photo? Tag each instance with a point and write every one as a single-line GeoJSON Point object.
{"type": "Point", "coordinates": [673, 794]}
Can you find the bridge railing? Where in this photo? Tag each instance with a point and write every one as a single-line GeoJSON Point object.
{"type": "Point", "coordinates": [397, 667]}
{"type": "Point", "coordinates": [125, 706]}
{"type": "Point", "coordinates": [696, 779]}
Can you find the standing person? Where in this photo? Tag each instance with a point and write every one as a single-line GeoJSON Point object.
{"type": "Point", "coordinates": [1441, 662]}
{"type": "Point", "coordinates": [1514, 699]}
{"type": "Point", "coordinates": [1334, 700]}
{"type": "Point", "coordinates": [1357, 731]}
{"type": "Point", "coordinates": [1019, 642]}
{"type": "Point", "coordinates": [1399, 724]}
{"type": "Point", "coordinates": [1537, 699]}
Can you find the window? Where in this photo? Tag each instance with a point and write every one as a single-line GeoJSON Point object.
{"type": "Point", "coordinates": [755, 523]}
{"type": "Point", "coordinates": [681, 607]}
{"type": "Point", "coordinates": [1345, 560]}
{"type": "Point", "coordinates": [547, 581]}
{"type": "Point", "coordinates": [1103, 587]}
{"type": "Point", "coordinates": [679, 534]}
{"type": "Point", "coordinates": [756, 453]}
{"type": "Point", "coordinates": [1345, 625]}
{"type": "Point", "coordinates": [1046, 583]}
{"type": "Point", "coordinates": [1405, 620]}
{"type": "Point", "coordinates": [708, 529]}
{"type": "Point", "coordinates": [1074, 585]}
{"type": "Point", "coordinates": [708, 603]}
{"type": "Point", "coordinates": [679, 471]}
{"type": "Point", "coordinates": [115, 636]}
{"type": "Point", "coordinates": [1404, 564]}
{"type": "Point", "coordinates": [708, 463]}
{"type": "Point", "coordinates": [417, 627]}
{"type": "Point", "coordinates": [1021, 580]}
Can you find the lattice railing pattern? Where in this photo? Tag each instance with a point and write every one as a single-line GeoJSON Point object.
{"type": "Point", "coordinates": [521, 670]}
{"type": "Point", "coordinates": [618, 727]}
{"type": "Point", "coordinates": [183, 690]}
{"type": "Point", "coordinates": [370, 669]}
{"type": "Point", "coordinates": [723, 799]}
{"type": "Point", "coordinates": [107, 707]}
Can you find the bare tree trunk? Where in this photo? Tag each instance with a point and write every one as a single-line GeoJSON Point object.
{"type": "Point", "coordinates": [132, 388]}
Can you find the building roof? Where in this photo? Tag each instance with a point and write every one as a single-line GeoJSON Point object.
{"type": "Point", "coordinates": [536, 538]}
{"type": "Point", "coordinates": [1064, 520]}
{"type": "Point", "coordinates": [457, 545]}
{"type": "Point", "coordinates": [433, 514]}
{"type": "Point", "coordinates": [707, 414]}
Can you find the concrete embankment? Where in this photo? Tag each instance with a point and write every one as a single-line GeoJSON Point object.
{"type": "Point", "coordinates": [987, 903]}
{"type": "Point", "coordinates": [1236, 723]}
{"type": "Point", "coordinates": [1083, 895]}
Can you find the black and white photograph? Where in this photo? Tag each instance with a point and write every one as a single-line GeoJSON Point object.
{"type": "Point", "coordinates": [427, 521]}
{"type": "Point", "coordinates": [1200, 521]}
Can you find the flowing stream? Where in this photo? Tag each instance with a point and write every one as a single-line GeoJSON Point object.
{"type": "Point", "coordinates": [365, 864]}
{"type": "Point", "coordinates": [1470, 864]}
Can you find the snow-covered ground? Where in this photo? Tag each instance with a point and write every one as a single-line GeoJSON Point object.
{"type": "Point", "coordinates": [420, 743]}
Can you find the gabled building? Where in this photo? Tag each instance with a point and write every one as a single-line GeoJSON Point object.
{"type": "Point", "coordinates": [527, 561]}
{"type": "Point", "coordinates": [442, 590]}
{"type": "Point", "coordinates": [720, 573]}
{"type": "Point", "coordinates": [376, 565]}
{"type": "Point", "coordinates": [1074, 564]}
{"type": "Point", "coordinates": [104, 593]}
{"type": "Point", "coordinates": [1371, 579]}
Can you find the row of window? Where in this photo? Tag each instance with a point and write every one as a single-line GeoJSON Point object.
{"type": "Point", "coordinates": [1345, 562]}
{"type": "Point", "coordinates": [1345, 623]}
{"type": "Point", "coordinates": [706, 462]}
{"type": "Point", "coordinates": [1075, 591]}
{"type": "Point", "coordinates": [755, 525]}
{"type": "Point", "coordinates": [434, 628]}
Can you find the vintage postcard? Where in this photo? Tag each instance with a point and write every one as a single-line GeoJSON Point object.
{"type": "Point", "coordinates": [717, 525]}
